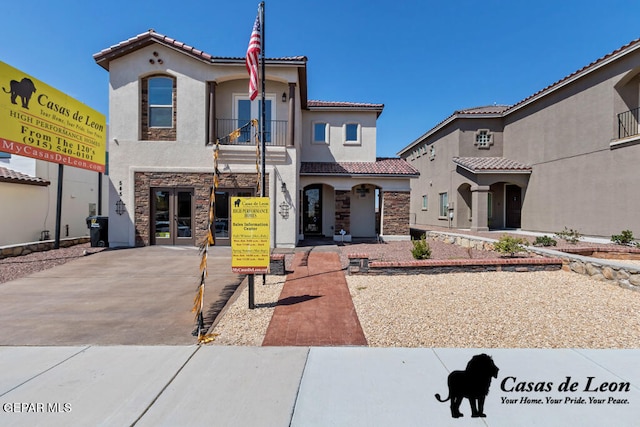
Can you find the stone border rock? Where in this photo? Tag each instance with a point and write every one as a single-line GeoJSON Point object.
{"type": "Point", "coordinates": [606, 270]}
{"type": "Point", "coordinates": [45, 245]}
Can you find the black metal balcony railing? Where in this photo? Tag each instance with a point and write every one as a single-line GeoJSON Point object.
{"type": "Point", "coordinates": [628, 123]}
{"type": "Point", "coordinates": [275, 132]}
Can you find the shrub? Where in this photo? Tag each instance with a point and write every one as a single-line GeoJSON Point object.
{"type": "Point", "coordinates": [626, 238]}
{"type": "Point", "coordinates": [509, 245]}
{"type": "Point", "coordinates": [570, 235]}
{"type": "Point", "coordinates": [544, 241]}
{"type": "Point", "coordinates": [421, 249]}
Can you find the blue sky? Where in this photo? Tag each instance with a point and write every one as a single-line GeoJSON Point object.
{"type": "Point", "coordinates": [422, 59]}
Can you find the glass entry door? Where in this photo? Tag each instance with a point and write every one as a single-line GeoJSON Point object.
{"type": "Point", "coordinates": [312, 210]}
{"type": "Point", "coordinates": [172, 216]}
{"type": "Point", "coordinates": [223, 227]}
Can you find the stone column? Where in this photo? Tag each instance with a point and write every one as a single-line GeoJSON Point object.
{"type": "Point", "coordinates": [292, 115]}
{"type": "Point", "coordinates": [395, 213]}
{"type": "Point", "coordinates": [479, 208]}
{"type": "Point", "coordinates": [343, 212]}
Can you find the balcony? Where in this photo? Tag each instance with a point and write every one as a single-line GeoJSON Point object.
{"type": "Point", "coordinates": [628, 123]}
{"type": "Point", "coordinates": [275, 132]}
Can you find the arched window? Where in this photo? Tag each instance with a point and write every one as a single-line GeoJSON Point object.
{"type": "Point", "coordinates": [160, 102]}
{"type": "Point", "coordinates": [158, 109]}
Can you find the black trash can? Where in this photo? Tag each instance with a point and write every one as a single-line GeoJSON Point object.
{"type": "Point", "coordinates": [98, 231]}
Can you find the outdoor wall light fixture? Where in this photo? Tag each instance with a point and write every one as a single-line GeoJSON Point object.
{"type": "Point", "coordinates": [284, 210]}
{"type": "Point", "coordinates": [284, 97]}
{"type": "Point", "coordinates": [119, 207]}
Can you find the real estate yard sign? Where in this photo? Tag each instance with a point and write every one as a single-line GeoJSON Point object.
{"type": "Point", "coordinates": [250, 235]}
{"type": "Point", "coordinates": [43, 123]}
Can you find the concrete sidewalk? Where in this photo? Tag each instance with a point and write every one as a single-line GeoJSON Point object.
{"type": "Point", "coordinates": [309, 386]}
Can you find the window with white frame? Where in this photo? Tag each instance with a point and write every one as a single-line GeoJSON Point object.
{"type": "Point", "coordinates": [432, 152]}
{"type": "Point", "coordinates": [160, 91]}
{"type": "Point", "coordinates": [484, 138]}
{"type": "Point", "coordinates": [320, 133]}
{"type": "Point", "coordinates": [425, 202]}
{"type": "Point", "coordinates": [352, 133]}
{"type": "Point", "coordinates": [444, 204]}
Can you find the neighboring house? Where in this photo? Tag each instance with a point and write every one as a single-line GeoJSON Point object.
{"type": "Point", "coordinates": [28, 190]}
{"type": "Point", "coordinates": [169, 103]}
{"type": "Point", "coordinates": [566, 156]}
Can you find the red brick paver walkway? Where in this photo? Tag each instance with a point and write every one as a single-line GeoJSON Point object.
{"type": "Point", "coordinates": [315, 306]}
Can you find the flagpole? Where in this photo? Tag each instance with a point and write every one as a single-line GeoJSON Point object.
{"type": "Point", "coordinates": [264, 113]}
{"type": "Point", "coordinates": [263, 124]}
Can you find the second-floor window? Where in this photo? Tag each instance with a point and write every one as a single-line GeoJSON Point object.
{"type": "Point", "coordinates": [352, 133]}
{"type": "Point", "coordinates": [320, 133]}
{"type": "Point", "coordinates": [158, 108]}
{"type": "Point", "coordinates": [160, 102]}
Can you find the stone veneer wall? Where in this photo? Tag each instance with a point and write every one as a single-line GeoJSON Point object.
{"type": "Point", "coordinates": [200, 182]}
{"type": "Point", "coordinates": [605, 270]}
{"type": "Point", "coordinates": [343, 211]}
{"type": "Point", "coordinates": [395, 212]}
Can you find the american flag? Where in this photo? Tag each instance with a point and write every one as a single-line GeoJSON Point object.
{"type": "Point", "coordinates": [252, 59]}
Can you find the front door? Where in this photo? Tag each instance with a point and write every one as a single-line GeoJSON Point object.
{"type": "Point", "coordinates": [312, 210]}
{"type": "Point", "coordinates": [513, 206]}
{"type": "Point", "coordinates": [172, 216]}
{"type": "Point", "coordinates": [223, 226]}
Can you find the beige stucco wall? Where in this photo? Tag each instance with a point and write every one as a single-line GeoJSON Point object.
{"type": "Point", "coordinates": [436, 177]}
{"type": "Point", "coordinates": [578, 181]}
{"type": "Point", "coordinates": [336, 149]}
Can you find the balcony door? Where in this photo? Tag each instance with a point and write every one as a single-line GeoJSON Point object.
{"type": "Point", "coordinates": [245, 110]}
{"type": "Point", "coordinates": [172, 216]}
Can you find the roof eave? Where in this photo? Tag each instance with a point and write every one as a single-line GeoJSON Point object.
{"type": "Point", "coordinates": [371, 175]}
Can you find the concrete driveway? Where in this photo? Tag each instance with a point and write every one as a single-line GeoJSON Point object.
{"type": "Point", "coordinates": [140, 296]}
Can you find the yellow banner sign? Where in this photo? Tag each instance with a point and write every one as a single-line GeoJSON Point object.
{"type": "Point", "coordinates": [250, 235]}
{"type": "Point", "coordinates": [43, 123]}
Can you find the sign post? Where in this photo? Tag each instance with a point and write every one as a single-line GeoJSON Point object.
{"type": "Point", "coordinates": [250, 239]}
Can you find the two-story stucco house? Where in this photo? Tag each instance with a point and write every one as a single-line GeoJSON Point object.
{"type": "Point", "coordinates": [566, 156]}
{"type": "Point", "coordinates": [169, 104]}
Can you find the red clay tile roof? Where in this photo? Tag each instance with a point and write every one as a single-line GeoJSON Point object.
{"type": "Point", "coordinates": [382, 166]}
{"type": "Point", "coordinates": [9, 175]}
{"type": "Point", "coordinates": [487, 109]}
{"type": "Point", "coordinates": [491, 165]}
{"type": "Point", "coordinates": [145, 39]}
{"type": "Point", "coordinates": [342, 106]}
